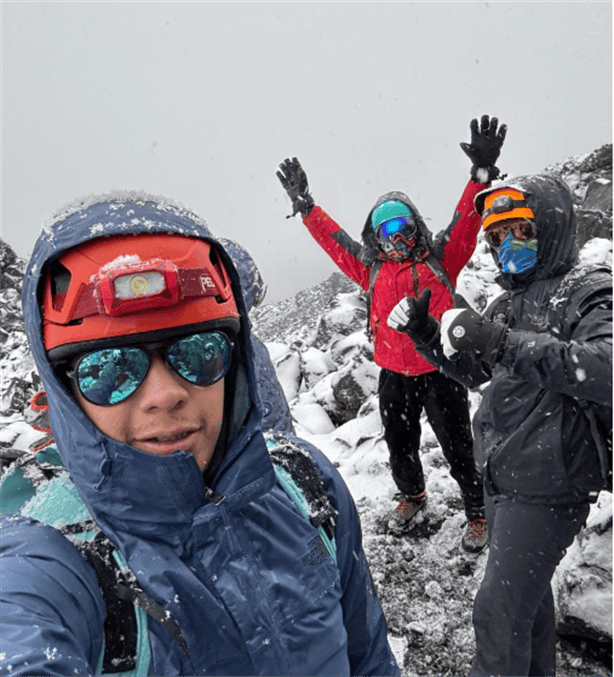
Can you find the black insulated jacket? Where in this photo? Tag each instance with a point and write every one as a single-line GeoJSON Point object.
{"type": "Point", "coordinates": [533, 439]}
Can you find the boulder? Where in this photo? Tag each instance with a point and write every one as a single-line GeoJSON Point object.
{"type": "Point", "coordinates": [352, 385]}
{"type": "Point", "coordinates": [583, 583]}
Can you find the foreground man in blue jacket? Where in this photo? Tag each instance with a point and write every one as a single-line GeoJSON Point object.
{"type": "Point", "coordinates": [137, 323]}
{"type": "Point", "coordinates": [541, 430]}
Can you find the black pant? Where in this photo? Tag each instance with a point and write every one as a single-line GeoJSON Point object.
{"type": "Point", "coordinates": [401, 401]}
{"type": "Point", "coordinates": [513, 611]}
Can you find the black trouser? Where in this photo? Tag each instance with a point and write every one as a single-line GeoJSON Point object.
{"type": "Point", "coordinates": [401, 401]}
{"type": "Point", "coordinates": [513, 611]}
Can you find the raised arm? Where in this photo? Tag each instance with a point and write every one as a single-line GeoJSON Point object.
{"type": "Point", "coordinates": [455, 246]}
{"type": "Point", "coordinates": [342, 249]}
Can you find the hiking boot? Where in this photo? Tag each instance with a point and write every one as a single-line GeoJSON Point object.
{"type": "Point", "coordinates": [406, 513]}
{"type": "Point", "coordinates": [475, 536]}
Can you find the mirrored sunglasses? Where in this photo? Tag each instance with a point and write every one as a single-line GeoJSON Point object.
{"type": "Point", "coordinates": [521, 230]}
{"type": "Point", "coordinates": [110, 375]}
{"type": "Point", "coordinates": [400, 225]}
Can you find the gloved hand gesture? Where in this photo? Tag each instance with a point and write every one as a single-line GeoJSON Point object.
{"type": "Point", "coordinates": [294, 180]}
{"type": "Point", "coordinates": [412, 316]}
{"type": "Point", "coordinates": [465, 331]}
{"type": "Point", "coordinates": [484, 149]}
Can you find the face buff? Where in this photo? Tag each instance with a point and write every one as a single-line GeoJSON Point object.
{"type": "Point", "coordinates": [517, 256]}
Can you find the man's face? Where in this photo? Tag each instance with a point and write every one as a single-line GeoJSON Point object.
{"type": "Point", "coordinates": [166, 413]}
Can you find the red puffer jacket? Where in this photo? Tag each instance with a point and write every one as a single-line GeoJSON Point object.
{"type": "Point", "coordinates": [452, 248]}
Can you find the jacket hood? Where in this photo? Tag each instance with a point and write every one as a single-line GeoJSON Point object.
{"type": "Point", "coordinates": [252, 284]}
{"type": "Point", "coordinates": [550, 199]}
{"type": "Point", "coordinates": [125, 488]}
{"type": "Point", "coordinates": [423, 240]}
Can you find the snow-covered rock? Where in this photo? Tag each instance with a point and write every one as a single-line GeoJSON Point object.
{"type": "Point", "coordinates": [590, 178]}
{"type": "Point", "coordinates": [583, 581]}
{"type": "Point", "coordinates": [315, 365]}
{"type": "Point", "coordinates": [288, 370]}
{"type": "Point", "coordinates": [347, 315]}
{"type": "Point", "coordinates": [19, 378]}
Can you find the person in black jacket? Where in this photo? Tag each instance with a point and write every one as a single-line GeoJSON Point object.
{"type": "Point", "coordinates": [546, 347]}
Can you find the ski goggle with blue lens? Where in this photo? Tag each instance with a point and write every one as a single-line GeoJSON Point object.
{"type": "Point", "coordinates": [400, 225]}
{"type": "Point", "coordinates": [110, 375]}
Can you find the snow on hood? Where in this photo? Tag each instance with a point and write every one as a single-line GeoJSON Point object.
{"type": "Point", "coordinates": [110, 475]}
{"type": "Point", "coordinates": [550, 199]}
{"type": "Point", "coordinates": [252, 284]}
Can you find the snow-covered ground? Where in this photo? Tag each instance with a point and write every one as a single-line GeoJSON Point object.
{"type": "Point", "coordinates": [425, 581]}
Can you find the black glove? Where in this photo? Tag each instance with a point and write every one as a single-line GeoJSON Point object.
{"type": "Point", "coordinates": [412, 317]}
{"type": "Point", "coordinates": [484, 149]}
{"type": "Point", "coordinates": [294, 180]}
{"type": "Point", "coordinates": [465, 331]}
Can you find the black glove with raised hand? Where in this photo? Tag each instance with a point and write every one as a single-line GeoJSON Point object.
{"type": "Point", "coordinates": [484, 149]}
{"type": "Point", "coordinates": [412, 317]}
{"type": "Point", "coordinates": [465, 331]}
{"type": "Point", "coordinates": [294, 181]}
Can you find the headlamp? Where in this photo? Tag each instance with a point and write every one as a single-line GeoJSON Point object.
{"type": "Point", "coordinates": [129, 291]}
{"type": "Point", "coordinates": [156, 284]}
{"type": "Point", "coordinates": [505, 203]}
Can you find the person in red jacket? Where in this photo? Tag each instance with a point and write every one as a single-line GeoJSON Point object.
{"type": "Point", "coordinates": [399, 257]}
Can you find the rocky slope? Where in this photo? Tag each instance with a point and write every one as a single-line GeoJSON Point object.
{"type": "Point", "coordinates": [324, 362]}
{"type": "Point", "coordinates": [425, 582]}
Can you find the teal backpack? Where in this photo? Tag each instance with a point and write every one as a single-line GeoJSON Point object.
{"type": "Point", "coordinates": [37, 485]}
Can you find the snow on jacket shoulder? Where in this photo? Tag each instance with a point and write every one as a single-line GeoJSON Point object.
{"type": "Point", "coordinates": [453, 248]}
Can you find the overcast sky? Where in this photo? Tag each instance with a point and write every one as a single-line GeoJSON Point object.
{"type": "Point", "coordinates": [200, 101]}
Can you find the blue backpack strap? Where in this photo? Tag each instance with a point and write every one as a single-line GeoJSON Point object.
{"type": "Point", "coordinates": [291, 488]}
{"type": "Point", "coordinates": [39, 486]}
{"type": "Point", "coordinates": [119, 653]}
{"type": "Point", "coordinates": [126, 649]}
{"type": "Point", "coordinates": [299, 477]}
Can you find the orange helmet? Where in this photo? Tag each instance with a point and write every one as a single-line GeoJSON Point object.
{"type": "Point", "coordinates": [503, 204]}
{"type": "Point", "coordinates": [134, 284]}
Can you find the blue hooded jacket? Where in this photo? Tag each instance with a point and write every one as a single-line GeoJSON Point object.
{"type": "Point", "coordinates": [239, 577]}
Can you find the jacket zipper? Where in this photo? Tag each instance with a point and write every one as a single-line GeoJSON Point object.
{"type": "Point", "coordinates": [415, 280]}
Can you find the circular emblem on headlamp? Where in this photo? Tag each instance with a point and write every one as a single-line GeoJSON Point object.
{"type": "Point", "coordinates": [139, 284]}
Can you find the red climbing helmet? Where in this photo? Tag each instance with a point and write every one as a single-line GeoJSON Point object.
{"type": "Point", "coordinates": [134, 284]}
